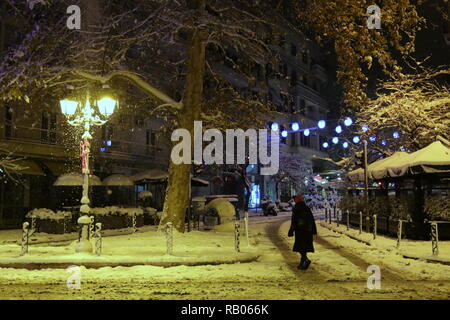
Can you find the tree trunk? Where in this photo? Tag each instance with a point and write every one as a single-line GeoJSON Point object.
{"type": "Point", "coordinates": [177, 192]}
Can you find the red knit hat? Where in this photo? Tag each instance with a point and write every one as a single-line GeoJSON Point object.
{"type": "Point", "coordinates": [298, 198]}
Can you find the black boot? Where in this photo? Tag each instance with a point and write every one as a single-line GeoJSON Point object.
{"type": "Point", "coordinates": [303, 259]}
{"type": "Point", "coordinates": [306, 264]}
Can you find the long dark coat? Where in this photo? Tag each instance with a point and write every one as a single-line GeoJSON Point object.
{"type": "Point", "coordinates": [303, 227]}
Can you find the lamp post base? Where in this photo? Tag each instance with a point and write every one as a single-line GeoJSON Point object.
{"type": "Point", "coordinates": [84, 246]}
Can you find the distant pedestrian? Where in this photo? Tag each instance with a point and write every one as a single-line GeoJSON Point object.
{"type": "Point", "coordinates": [304, 227]}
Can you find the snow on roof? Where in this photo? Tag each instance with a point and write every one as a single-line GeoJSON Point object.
{"type": "Point", "coordinates": [76, 179]}
{"type": "Point", "coordinates": [433, 158]}
{"type": "Point", "coordinates": [118, 180]}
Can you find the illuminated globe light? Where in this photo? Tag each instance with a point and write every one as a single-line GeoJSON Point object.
{"type": "Point", "coordinates": [295, 126]}
{"type": "Point", "coordinates": [274, 126]}
{"type": "Point", "coordinates": [322, 124]}
{"type": "Point", "coordinates": [383, 142]}
{"type": "Point", "coordinates": [356, 139]}
{"type": "Point", "coordinates": [348, 122]}
{"type": "Point", "coordinates": [396, 135]}
{"type": "Point", "coordinates": [325, 145]}
{"type": "Point", "coordinates": [338, 129]}
{"type": "Point", "coordinates": [306, 132]}
{"type": "Point", "coordinates": [372, 138]}
{"type": "Point", "coordinates": [335, 140]}
{"type": "Point", "coordinates": [284, 133]}
{"type": "Point", "coordinates": [365, 128]}
{"type": "Point", "coordinates": [345, 145]}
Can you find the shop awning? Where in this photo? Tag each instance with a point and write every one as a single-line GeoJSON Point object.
{"type": "Point", "coordinates": [28, 167]}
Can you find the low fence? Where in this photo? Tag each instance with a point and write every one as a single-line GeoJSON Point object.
{"type": "Point", "coordinates": [389, 226]}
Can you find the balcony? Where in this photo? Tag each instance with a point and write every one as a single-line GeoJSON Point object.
{"type": "Point", "coordinates": [319, 72]}
{"type": "Point", "coordinates": [305, 92]}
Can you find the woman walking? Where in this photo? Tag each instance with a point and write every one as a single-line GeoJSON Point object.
{"type": "Point", "coordinates": [304, 227]}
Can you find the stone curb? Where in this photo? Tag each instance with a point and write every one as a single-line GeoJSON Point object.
{"type": "Point", "coordinates": [100, 262]}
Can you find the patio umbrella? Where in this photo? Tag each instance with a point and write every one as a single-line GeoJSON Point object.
{"type": "Point", "coordinates": [435, 158]}
{"type": "Point", "coordinates": [150, 175]}
{"type": "Point", "coordinates": [76, 180]}
{"type": "Point", "coordinates": [118, 180]}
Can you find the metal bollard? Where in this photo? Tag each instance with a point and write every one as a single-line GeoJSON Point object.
{"type": "Point", "coordinates": [329, 215]}
{"type": "Point", "coordinates": [334, 212]}
{"type": "Point", "coordinates": [348, 220]}
{"type": "Point", "coordinates": [33, 226]}
{"type": "Point", "coordinates": [375, 226]}
{"type": "Point", "coordinates": [246, 228]}
{"type": "Point", "coordinates": [368, 224]}
{"type": "Point", "coordinates": [399, 233]}
{"type": "Point", "coordinates": [169, 238]}
{"type": "Point", "coordinates": [237, 235]}
{"type": "Point", "coordinates": [91, 228]}
{"type": "Point", "coordinates": [434, 238]}
{"type": "Point", "coordinates": [326, 215]}
{"type": "Point", "coordinates": [98, 238]}
{"type": "Point", "coordinates": [133, 222]}
{"type": "Point", "coordinates": [25, 234]}
{"type": "Point", "coordinates": [360, 222]}
{"type": "Point", "coordinates": [337, 218]}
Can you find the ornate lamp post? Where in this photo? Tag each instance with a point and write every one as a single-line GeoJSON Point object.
{"type": "Point", "coordinates": [84, 114]}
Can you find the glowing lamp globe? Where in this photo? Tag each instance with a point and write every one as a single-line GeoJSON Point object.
{"type": "Point", "coordinates": [284, 133]}
{"type": "Point", "coordinates": [345, 145]}
{"type": "Point", "coordinates": [306, 132]}
{"type": "Point", "coordinates": [373, 139]}
{"type": "Point", "coordinates": [356, 139]}
{"type": "Point", "coordinates": [106, 106]}
{"type": "Point", "coordinates": [364, 128]}
{"type": "Point", "coordinates": [348, 122]}
{"type": "Point", "coordinates": [274, 126]}
{"type": "Point", "coordinates": [338, 129]}
{"type": "Point", "coordinates": [68, 107]}
{"type": "Point", "coordinates": [325, 145]}
{"type": "Point", "coordinates": [295, 126]}
{"type": "Point", "coordinates": [335, 140]}
{"type": "Point", "coordinates": [321, 124]}
{"type": "Point", "coordinates": [396, 135]}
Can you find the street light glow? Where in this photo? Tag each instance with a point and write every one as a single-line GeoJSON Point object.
{"type": "Point", "coordinates": [306, 132]}
{"type": "Point", "coordinates": [356, 139]}
{"type": "Point", "coordinates": [335, 140]}
{"type": "Point", "coordinates": [338, 129]}
{"type": "Point", "coordinates": [365, 128]}
{"type": "Point", "coordinates": [68, 107]}
{"type": "Point", "coordinates": [322, 124]}
{"type": "Point", "coordinates": [274, 126]}
{"type": "Point", "coordinates": [348, 122]}
{"type": "Point", "coordinates": [396, 135]}
{"type": "Point", "coordinates": [325, 145]}
{"type": "Point", "coordinates": [295, 126]}
{"type": "Point", "coordinates": [106, 106]}
{"type": "Point", "coordinates": [284, 133]}
{"type": "Point", "coordinates": [345, 145]}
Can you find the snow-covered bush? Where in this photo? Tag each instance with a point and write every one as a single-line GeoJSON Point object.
{"type": "Point", "coordinates": [381, 206]}
{"type": "Point", "coordinates": [353, 204]}
{"type": "Point", "coordinates": [47, 214]}
{"type": "Point", "coordinates": [399, 208]}
{"type": "Point", "coordinates": [437, 208]}
{"type": "Point", "coordinates": [117, 211]}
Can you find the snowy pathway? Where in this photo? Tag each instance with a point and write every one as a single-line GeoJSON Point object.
{"type": "Point", "coordinates": [338, 271]}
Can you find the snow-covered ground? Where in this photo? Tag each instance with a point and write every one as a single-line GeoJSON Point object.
{"type": "Point", "coordinates": [338, 271]}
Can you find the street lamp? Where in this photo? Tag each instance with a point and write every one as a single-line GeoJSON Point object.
{"type": "Point", "coordinates": [83, 114]}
